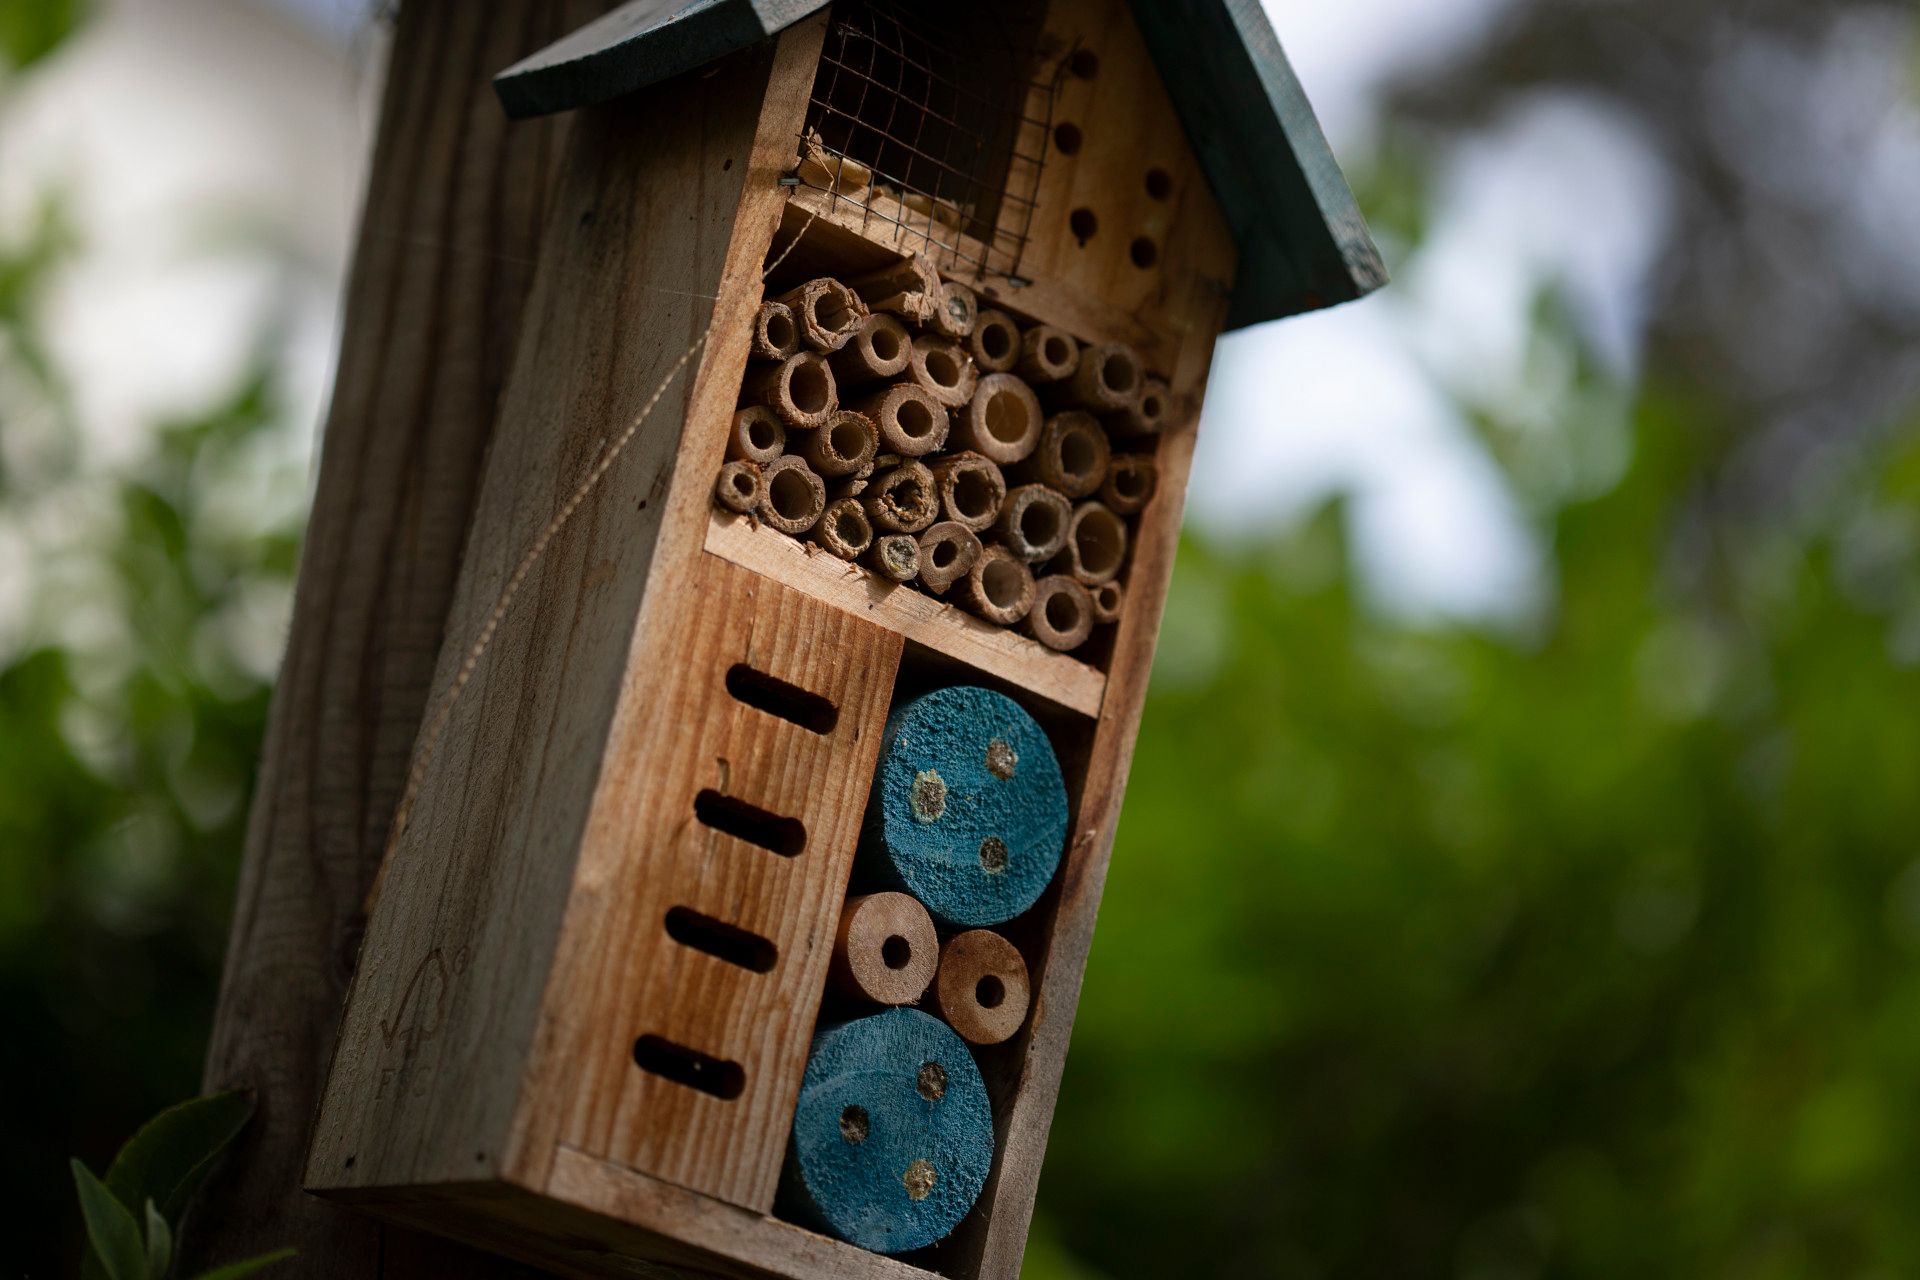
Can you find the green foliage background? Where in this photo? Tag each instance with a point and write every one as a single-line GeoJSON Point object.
{"type": "Point", "coordinates": [1579, 947]}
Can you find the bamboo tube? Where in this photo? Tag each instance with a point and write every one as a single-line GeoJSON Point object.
{"type": "Point", "coordinates": [739, 487]}
{"type": "Point", "coordinates": [885, 949]}
{"type": "Point", "coordinates": [1148, 415]}
{"type": "Point", "coordinates": [894, 556]}
{"type": "Point", "coordinates": [1131, 479]}
{"type": "Point", "coordinates": [971, 489]}
{"type": "Point", "coordinates": [942, 369]}
{"type": "Point", "coordinates": [995, 343]}
{"type": "Point", "coordinates": [843, 529]}
{"type": "Point", "coordinates": [1047, 354]}
{"type": "Point", "coordinates": [968, 809]}
{"type": "Point", "coordinates": [878, 349]}
{"type": "Point", "coordinates": [981, 988]}
{"type": "Point", "coordinates": [892, 1133]}
{"type": "Point", "coordinates": [1062, 613]}
{"type": "Point", "coordinates": [826, 313]}
{"type": "Point", "coordinates": [775, 335]}
{"type": "Point", "coordinates": [1003, 421]}
{"type": "Point", "coordinates": [999, 587]}
{"type": "Point", "coordinates": [1095, 545]}
{"type": "Point", "coordinates": [793, 496]}
{"type": "Point", "coordinates": [902, 500]}
{"type": "Point", "coordinates": [909, 288]}
{"type": "Point", "coordinates": [800, 389]}
{"type": "Point", "coordinates": [1108, 380]}
{"type": "Point", "coordinates": [1033, 523]}
{"type": "Point", "coordinates": [947, 551]}
{"type": "Point", "coordinates": [958, 312]}
{"type": "Point", "coordinates": [910, 421]}
{"type": "Point", "coordinates": [830, 170]}
{"type": "Point", "coordinates": [846, 444]}
{"type": "Point", "coordinates": [1108, 599]}
{"type": "Point", "coordinates": [1072, 455]}
{"type": "Point", "coordinates": [756, 435]}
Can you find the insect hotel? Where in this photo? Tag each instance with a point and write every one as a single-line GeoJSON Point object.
{"type": "Point", "coordinates": [736, 919]}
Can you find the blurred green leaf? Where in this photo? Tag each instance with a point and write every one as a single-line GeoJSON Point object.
{"type": "Point", "coordinates": [234, 1270]}
{"type": "Point", "coordinates": [168, 1159]}
{"type": "Point", "coordinates": [31, 29]}
{"type": "Point", "coordinates": [159, 1244]}
{"type": "Point", "coordinates": [110, 1228]}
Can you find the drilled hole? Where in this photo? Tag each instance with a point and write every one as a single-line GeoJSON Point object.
{"type": "Point", "coordinates": [854, 1124]}
{"type": "Point", "coordinates": [1151, 408]}
{"type": "Point", "coordinates": [743, 821]}
{"type": "Point", "coordinates": [778, 698]}
{"type": "Point", "coordinates": [1144, 252]}
{"type": "Point", "coordinates": [932, 1081]}
{"type": "Point", "coordinates": [790, 494]}
{"type": "Point", "coordinates": [896, 952]}
{"type": "Point", "coordinates": [722, 940]}
{"type": "Point", "coordinates": [989, 992]}
{"type": "Point", "coordinates": [1100, 540]}
{"type": "Point", "coordinates": [1066, 137]}
{"type": "Point", "coordinates": [690, 1067]}
{"type": "Point", "coordinates": [974, 493]}
{"type": "Point", "coordinates": [808, 388]}
{"type": "Point", "coordinates": [1007, 419]}
{"type": "Point", "coordinates": [1159, 184]}
{"type": "Point", "coordinates": [1083, 224]}
{"type": "Point", "coordinates": [1001, 581]}
{"type": "Point", "coordinates": [1084, 63]}
{"type": "Point", "coordinates": [993, 855]}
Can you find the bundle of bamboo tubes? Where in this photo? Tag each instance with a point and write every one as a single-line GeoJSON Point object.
{"type": "Point", "coordinates": [896, 422]}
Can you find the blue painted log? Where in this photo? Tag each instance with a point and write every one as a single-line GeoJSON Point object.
{"type": "Point", "coordinates": [893, 1135]}
{"type": "Point", "coordinates": [968, 811]}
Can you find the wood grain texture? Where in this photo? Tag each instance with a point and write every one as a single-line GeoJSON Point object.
{"type": "Point", "coordinates": [454, 206]}
{"type": "Point", "coordinates": [935, 623]}
{"type": "Point", "coordinates": [426, 1082]}
{"type": "Point", "coordinates": [679, 733]}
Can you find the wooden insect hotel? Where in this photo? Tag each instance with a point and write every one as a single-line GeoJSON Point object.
{"type": "Point", "coordinates": [737, 922]}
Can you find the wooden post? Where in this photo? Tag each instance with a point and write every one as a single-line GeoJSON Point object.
{"type": "Point", "coordinates": [455, 205]}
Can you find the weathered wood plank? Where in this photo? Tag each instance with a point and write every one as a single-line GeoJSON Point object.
{"type": "Point", "coordinates": [453, 212]}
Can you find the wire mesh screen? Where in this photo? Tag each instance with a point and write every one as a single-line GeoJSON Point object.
{"type": "Point", "coordinates": [930, 119]}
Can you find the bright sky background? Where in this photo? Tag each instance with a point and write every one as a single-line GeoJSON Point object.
{"type": "Point", "coordinates": [1359, 399]}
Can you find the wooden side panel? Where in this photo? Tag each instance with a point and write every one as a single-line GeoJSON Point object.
{"type": "Point", "coordinates": [443, 1009]}
{"type": "Point", "coordinates": [679, 732]}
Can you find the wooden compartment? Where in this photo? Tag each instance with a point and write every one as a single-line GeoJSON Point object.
{"type": "Point", "coordinates": [598, 950]}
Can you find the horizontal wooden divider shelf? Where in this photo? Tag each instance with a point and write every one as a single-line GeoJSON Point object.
{"type": "Point", "coordinates": [942, 627]}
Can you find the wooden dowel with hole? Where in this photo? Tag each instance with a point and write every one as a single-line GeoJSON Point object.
{"type": "Point", "coordinates": [981, 988]}
{"type": "Point", "coordinates": [878, 350]}
{"type": "Point", "coordinates": [756, 435]}
{"type": "Point", "coordinates": [843, 529]}
{"type": "Point", "coordinates": [1033, 523]}
{"type": "Point", "coordinates": [843, 446]}
{"type": "Point", "coordinates": [799, 389]}
{"type": "Point", "coordinates": [910, 288]}
{"type": "Point", "coordinates": [1072, 456]}
{"type": "Point", "coordinates": [1062, 614]}
{"type": "Point", "coordinates": [911, 422]}
{"type": "Point", "coordinates": [826, 312]}
{"type": "Point", "coordinates": [1047, 355]}
{"type": "Point", "coordinates": [739, 487]}
{"type": "Point", "coordinates": [947, 551]}
{"type": "Point", "coordinates": [775, 335]}
{"type": "Point", "coordinates": [902, 500]}
{"type": "Point", "coordinates": [1002, 421]}
{"type": "Point", "coordinates": [995, 344]}
{"type": "Point", "coordinates": [971, 489]}
{"type": "Point", "coordinates": [942, 368]}
{"type": "Point", "coordinates": [885, 949]}
{"type": "Point", "coordinates": [1131, 480]}
{"type": "Point", "coordinates": [792, 496]}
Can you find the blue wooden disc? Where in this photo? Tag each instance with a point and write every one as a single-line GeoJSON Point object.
{"type": "Point", "coordinates": [969, 811]}
{"type": "Point", "coordinates": [893, 1136]}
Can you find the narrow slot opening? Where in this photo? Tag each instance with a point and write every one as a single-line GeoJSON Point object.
{"type": "Point", "coordinates": [735, 817]}
{"type": "Point", "coordinates": [717, 1076]}
{"type": "Point", "coordinates": [776, 697]}
{"type": "Point", "coordinates": [721, 940]}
